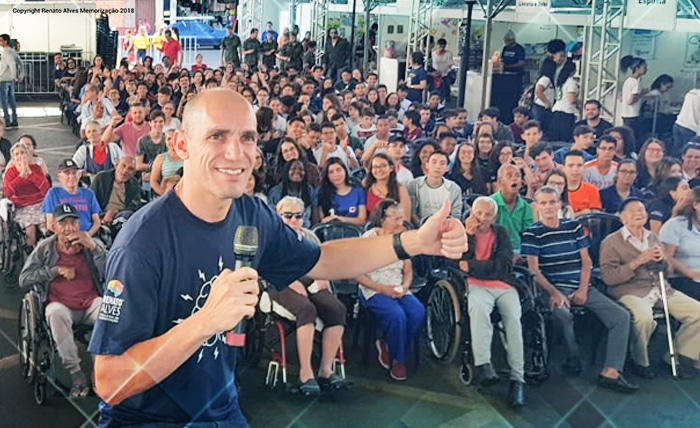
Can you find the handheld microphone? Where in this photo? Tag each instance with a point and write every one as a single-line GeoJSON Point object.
{"type": "Point", "coordinates": [245, 246]}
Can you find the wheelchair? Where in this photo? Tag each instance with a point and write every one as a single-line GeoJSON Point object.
{"type": "Point", "coordinates": [271, 318]}
{"type": "Point", "coordinates": [37, 350]}
{"type": "Point", "coordinates": [447, 323]}
{"type": "Point", "coordinates": [12, 243]}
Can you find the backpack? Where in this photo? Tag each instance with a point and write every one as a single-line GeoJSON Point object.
{"type": "Point", "coordinates": [527, 98]}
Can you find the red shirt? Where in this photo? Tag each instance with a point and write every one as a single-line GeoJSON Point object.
{"type": "Point", "coordinates": [482, 252]}
{"type": "Point", "coordinates": [171, 49]}
{"type": "Point", "coordinates": [372, 201]}
{"type": "Point", "coordinates": [24, 192]}
{"type": "Point", "coordinates": [78, 293]}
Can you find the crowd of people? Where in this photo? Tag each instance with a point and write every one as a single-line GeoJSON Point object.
{"type": "Point", "coordinates": [333, 145]}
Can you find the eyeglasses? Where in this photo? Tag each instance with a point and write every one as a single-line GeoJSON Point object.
{"type": "Point", "coordinates": [295, 216]}
{"type": "Point", "coordinates": [380, 167]}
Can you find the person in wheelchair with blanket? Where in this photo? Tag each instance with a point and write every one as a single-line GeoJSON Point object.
{"type": "Point", "coordinates": [68, 270]}
{"type": "Point", "coordinates": [489, 264]}
{"type": "Point", "coordinates": [308, 299]}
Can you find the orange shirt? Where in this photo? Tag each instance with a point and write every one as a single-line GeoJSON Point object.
{"type": "Point", "coordinates": [586, 197]}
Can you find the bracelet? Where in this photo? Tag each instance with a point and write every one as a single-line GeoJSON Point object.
{"type": "Point", "coordinates": [398, 248]}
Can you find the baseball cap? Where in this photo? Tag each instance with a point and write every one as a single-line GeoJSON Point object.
{"type": "Point", "coordinates": [67, 164]}
{"type": "Point", "coordinates": [65, 211]}
{"type": "Point", "coordinates": [628, 201]}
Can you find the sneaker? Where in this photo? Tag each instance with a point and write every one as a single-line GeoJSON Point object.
{"type": "Point", "coordinates": [485, 375]}
{"type": "Point", "coordinates": [398, 371]}
{"type": "Point", "coordinates": [14, 125]}
{"type": "Point", "coordinates": [383, 356]}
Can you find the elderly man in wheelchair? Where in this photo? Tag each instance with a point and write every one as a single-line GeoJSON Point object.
{"type": "Point", "coordinates": [489, 264]}
{"type": "Point", "coordinates": [307, 300]}
{"type": "Point", "coordinates": [67, 270]}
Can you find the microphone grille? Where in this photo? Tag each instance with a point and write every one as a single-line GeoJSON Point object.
{"type": "Point", "coordinates": [246, 240]}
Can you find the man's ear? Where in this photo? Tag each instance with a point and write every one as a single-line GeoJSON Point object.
{"type": "Point", "coordinates": [181, 144]}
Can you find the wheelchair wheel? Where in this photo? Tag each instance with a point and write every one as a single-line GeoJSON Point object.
{"type": "Point", "coordinates": [443, 322]}
{"type": "Point", "coordinates": [5, 244]}
{"type": "Point", "coordinates": [466, 374]}
{"type": "Point", "coordinates": [27, 338]}
{"type": "Point", "coordinates": [40, 390]}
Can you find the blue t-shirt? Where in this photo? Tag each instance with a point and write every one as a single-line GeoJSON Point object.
{"type": "Point", "coordinates": [558, 251]}
{"type": "Point", "coordinates": [415, 76]}
{"type": "Point", "coordinates": [84, 201]}
{"type": "Point", "coordinates": [159, 273]}
{"type": "Point", "coordinates": [349, 205]}
{"type": "Point", "coordinates": [561, 153]}
{"type": "Point", "coordinates": [611, 200]}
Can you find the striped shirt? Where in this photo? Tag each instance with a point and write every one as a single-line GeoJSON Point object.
{"type": "Point", "coordinates": [558, 251]}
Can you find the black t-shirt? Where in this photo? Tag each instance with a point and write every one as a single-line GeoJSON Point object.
{"type": "Point", "coordinates": [159, 273]}
{"type": "Point", "coordinates": [600, 130]}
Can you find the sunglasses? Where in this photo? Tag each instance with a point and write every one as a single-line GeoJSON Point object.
{"type": "Point", "coordinates": [295, 216]}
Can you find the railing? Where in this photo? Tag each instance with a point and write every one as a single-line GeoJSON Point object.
{"type": "Point", "coordinates": [188, 44]}
{"type": "Point", "coordinates": [39, 70]}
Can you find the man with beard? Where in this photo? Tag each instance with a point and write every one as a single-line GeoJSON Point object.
{"type": "Point", "coordinates": [591, 111]}
{"type": "Point", "coordinates": [128, 132]}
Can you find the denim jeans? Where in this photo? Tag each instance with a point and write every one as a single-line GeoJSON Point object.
{"type": "Point", "coordinates": [7, 95]}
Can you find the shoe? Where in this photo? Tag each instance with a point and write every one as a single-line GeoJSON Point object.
{"type": "Point", "coordinates": [398, 371]}
{"type": "Point", "coordinates": [485, 375]}
{"type": "Point", "coordinates": [620, 384]}
{"type": "Point", "coordinates": [332, 382]}
{"type": "Point", "coordinates": [383, 356]}
{"type": "Point", "coordinates": [572, 367]}
{"type": "Point", "coordinates": [309, 388]}
{"type": "Point", "coordinates": [14, 125]}
{"type": "Point", "coordinates": [516, 394]}
{"type": "Point", "coordinates": [645, 372]}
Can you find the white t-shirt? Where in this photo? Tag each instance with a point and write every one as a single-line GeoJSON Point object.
{"type": "Point", "coordinates": [548, 90]}
{"type": "Point", "coordinates": [689, 116]}
{"type": "Point", "coordinates": [337, 153]}
{"type": "Point", "coordinates": [571, 86]}
{"type": "Point", "coordinates": [403, 175]}
{"type": "Point", "coordinates": [443, 63]}
{"type": "Point", "coordinates": [629, 88]}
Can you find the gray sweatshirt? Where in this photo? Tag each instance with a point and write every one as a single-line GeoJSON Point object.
{"type": "Point", "coordinates": [11, 68]}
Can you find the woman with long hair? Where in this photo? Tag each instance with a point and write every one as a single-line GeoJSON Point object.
{"type": "Point", "coordinates": [264, 117]}
{"type": "Point", "coordinates": [381, 183]}
{"type": "Point", "coordinates": [565, 109]}
{"type": "Point", "coordinates": [373, 98]}
{"type": "Point", "coordinates": [339, 198]}
{"type": "Point", "coordinates": [632, 93]}
{"type": "Point", "coordinates": [544, 94]}
{"type": "Point", "coordinates": [681, 238]}
{"type": "Point", "coordinates": [651, 153]}
{"type": "Point", "coordinates": [386, 293]}
{"type": "Point", "coordinates": [672, 193]}
{"type": "Point", "coordinates": [170, 122]}
{"type": "Point", "coordinates": [419, 159]}
{"type": "Point", "coordinates": [329, 101]}
{"type": "Point", "coordinates": [467, 173]}
{"type": "Point", "coordinates": [668, 167]}
{"type": "Point", "coordinates": [557, 179]}
{"type": "Point", "coordinates": [294, 183]}
{"type": "Point", "coordinates": [502, 154]}
{"type": "Point", "coordinates": [287, 151]}
{"type": "Point", "coordinates": [484, 147]}
{"type": "Point", "coordinates": [626, 143]}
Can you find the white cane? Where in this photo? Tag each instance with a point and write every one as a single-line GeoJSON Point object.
{"type": "Point", "coordinates": [669, 333]}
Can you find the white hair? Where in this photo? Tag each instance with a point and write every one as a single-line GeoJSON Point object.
{"type": "Point", "coordinates": [287, 201]}
{"type": "Point", "coordinates": [489, 200]}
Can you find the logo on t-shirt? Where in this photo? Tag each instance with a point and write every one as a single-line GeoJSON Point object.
{"type": "Point", "coordinates": [111, 308]}
{"type": "Point", "coordinates": [198, 303]}
{"type": "Point", "coordinates": [352, 210]}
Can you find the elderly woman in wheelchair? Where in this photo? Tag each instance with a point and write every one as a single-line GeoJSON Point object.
{"type": "Point", "coordinates": [308, 299]}
{"type": "Point", "coordinates": [489, 265]}
{"type": "Point", "coordinates": [385, 292]}
{"type": "Point", "coordinates": [67, 270]}
{"type": "Point", "coordinates": [25, 184]}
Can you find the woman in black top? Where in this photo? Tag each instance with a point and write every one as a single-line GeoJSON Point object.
{"type": "Point", "coordinates": [650, 154]}
{"type": "Point", "coordinates": [467, 173]}
{"type": "Point", "coordinates": [668, 167]}
{"type": "Point", "coordinates": [672, 191]}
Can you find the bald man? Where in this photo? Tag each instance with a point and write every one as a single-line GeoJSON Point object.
{"type": "Point", "coordinates": [161, 351]}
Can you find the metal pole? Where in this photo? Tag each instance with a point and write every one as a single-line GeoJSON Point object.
{"type": "Point", "coordinates": [466, 51]}
{"type": "Point", "coordinates": [352, 35]}
{"type": "Point", "coordinates": [486, 56]}
{"type": "Point", "coordinates": [365, 55]}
